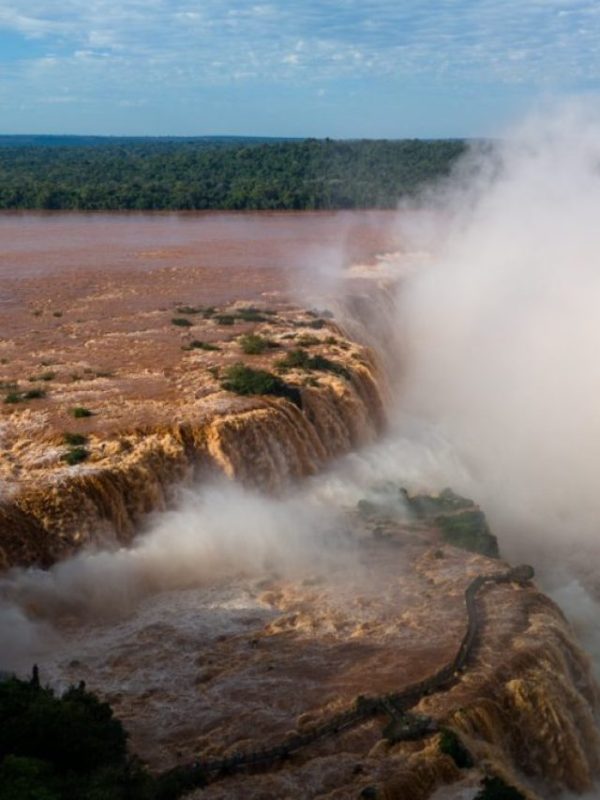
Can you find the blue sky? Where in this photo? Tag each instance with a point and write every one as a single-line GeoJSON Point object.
{"type": "Point", "coordinates": [342, 68]}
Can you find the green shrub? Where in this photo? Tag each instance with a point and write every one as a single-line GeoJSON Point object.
{"type": "Point", "coordinates": [225, 319]}
{"type": "Point", "coordinates": [34, 394]}
{"type": "Point", "coordinates": [18, 397]}
{"type": "Point", "coordinates": [57, 313]}
{"type": "Point", "coordinates": [294, 359]}
{"type": "Point", "coordinates": [182, 322]}
{"type": "Point", "coordinates": [79, 412]}
{"type": "Point", "coordinates": [74, 439]}
{"type": "Point", "coordinates": [246, 381]}
{"type": "Point", "coordinates": [469, 530]}
{"type": "Point", "coordinates": [250, 315]}
{"type": "Point", "coordinates": [75, 456]}
{"type": "Point", "coordinates": [252, 344]}
{"type": "Point", "coordinates": [28, 779]}
{"type": "Point", "coordinates": [196, 344]}
{"type": "Point", "coordinates": [301, 359]}
{"type": "Point", "coordinates": [326, 365]}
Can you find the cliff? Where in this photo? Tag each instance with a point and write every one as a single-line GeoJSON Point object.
{"type": "Point", "coordinates": [86, 460]}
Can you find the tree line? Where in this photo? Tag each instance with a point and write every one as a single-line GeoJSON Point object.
{"type": "Point", "coordinates": [217, 173]}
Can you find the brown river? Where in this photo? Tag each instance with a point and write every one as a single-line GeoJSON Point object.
{"type": "Point", "coordinates": [39, 243]}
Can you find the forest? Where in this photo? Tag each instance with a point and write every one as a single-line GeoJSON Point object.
{"type": "Point", "coordinates": [96, 173]}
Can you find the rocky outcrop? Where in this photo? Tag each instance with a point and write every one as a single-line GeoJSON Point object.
{"type": "Point", "coordinates": [131, 451]}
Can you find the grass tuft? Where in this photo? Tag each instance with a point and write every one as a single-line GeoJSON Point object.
{"type": "Point", "coordinates": [250, 315]}
{"type": "Point", "coordinates": [301, 359]}
{"type": "Point", "coordinates": [196, 344]}
{"type": "Point", "coordinates": [75, 439]}
{"type": "Point", "coordinates": [75, 455]}
{"type": "Point", "coordinates": [253, 345]}
{"type": "Point", "coordinates": [79, 412]}
{"type": "Point", "coordinates": [225, 319]}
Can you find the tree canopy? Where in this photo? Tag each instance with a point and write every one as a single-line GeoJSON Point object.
{"type": "Point", "coordinates": [218, 173]}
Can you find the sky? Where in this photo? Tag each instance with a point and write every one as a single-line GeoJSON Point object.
{"type": "Point", "coordinates": [339, 68]}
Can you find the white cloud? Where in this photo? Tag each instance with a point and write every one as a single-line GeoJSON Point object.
{"type": "Point", "coordinates": [136, 48]}
{"type": "Point", "coordinates": [372, 36]}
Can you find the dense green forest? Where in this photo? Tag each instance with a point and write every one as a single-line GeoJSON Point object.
{"type": "Point", "coordinates": [71, 747]}
{"type": "Point", "coordinates": [216, 172]}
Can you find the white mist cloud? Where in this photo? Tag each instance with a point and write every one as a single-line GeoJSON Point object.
{"type": "Point", "coordinates": [503, 330]}
{"type": "Point", "coordinates": [216, 534]}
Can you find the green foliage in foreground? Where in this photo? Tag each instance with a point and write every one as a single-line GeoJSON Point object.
{"type": "Point", "coordinates": [64, 748]}
{"type": "Point", "coordinates": [171, 174]}
{"type": "Point", "coordinates": [247, 381]}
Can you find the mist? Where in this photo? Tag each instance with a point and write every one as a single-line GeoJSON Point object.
{"type": "Point", "coordinates": [501, 329]}
{"type": "Point", "coordinates": [214, 534]}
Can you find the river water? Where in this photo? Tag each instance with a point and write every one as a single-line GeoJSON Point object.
{"type": "Point", "coordinates": [42, 243]}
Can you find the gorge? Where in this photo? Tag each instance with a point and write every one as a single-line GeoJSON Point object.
{"type": "Point", "coordinates": [233, 570]}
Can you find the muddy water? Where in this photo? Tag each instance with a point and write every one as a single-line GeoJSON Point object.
{"type": "Point", "coordinates": [35, 244]}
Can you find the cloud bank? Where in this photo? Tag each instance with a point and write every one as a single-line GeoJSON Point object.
{"type": "Point", "coordinates": [106, 54]}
